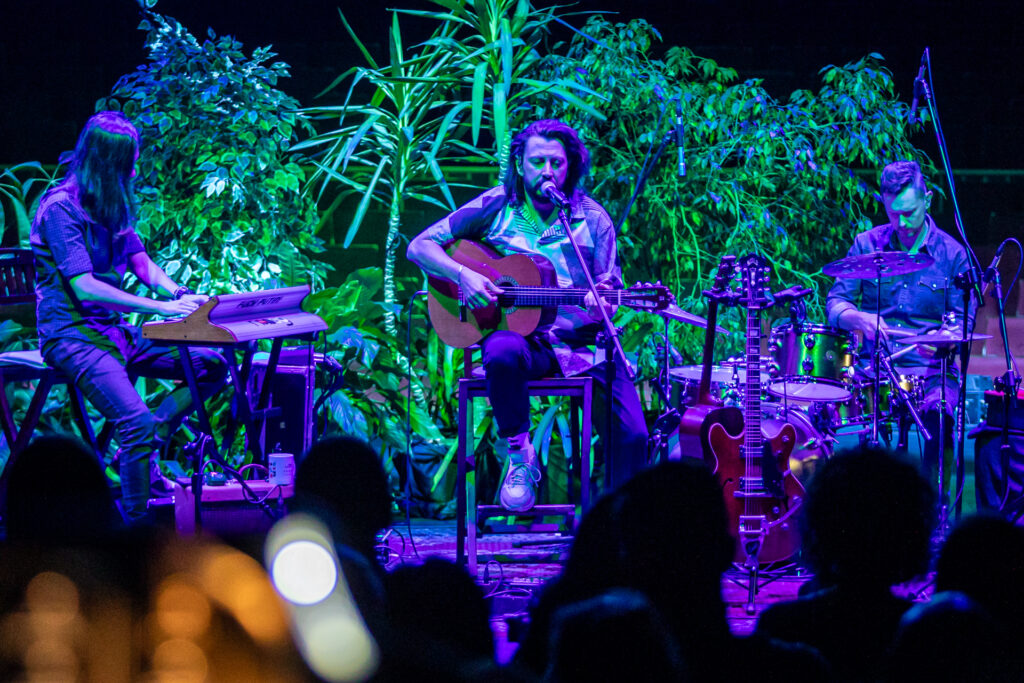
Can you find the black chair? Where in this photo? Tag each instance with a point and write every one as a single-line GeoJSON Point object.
{"type": "Point", "coordinates": [17, 286]}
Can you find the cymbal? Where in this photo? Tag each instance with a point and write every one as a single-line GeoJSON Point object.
{"type": "Point", "coordinates": [673, 312]}
{"type": "Point", "coordinates": [878, 264]}
{"type": "Point", "coordinates": [720, 374]}
{"type": "Point", "coordinates": [940, 338]}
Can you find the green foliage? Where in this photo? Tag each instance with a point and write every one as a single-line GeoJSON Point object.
{"type": "Point", "coordinates": [776, 178]}
{"type": "Point", "coordinates": [220, 204]}
{"type": "Point", "coordinates": [21, 188]}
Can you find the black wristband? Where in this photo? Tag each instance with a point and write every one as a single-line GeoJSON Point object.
{"type": "Point", "coordinates": [180, 292]}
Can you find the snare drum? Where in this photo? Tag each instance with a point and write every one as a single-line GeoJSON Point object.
{"type": "Point", "coordinates": [726, 379]}
{"type": "Point", "coordinates": [856, 414]}
{"type": "Point", "coordinates": [810, 363]}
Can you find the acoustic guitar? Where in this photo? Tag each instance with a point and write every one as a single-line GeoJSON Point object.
{"type": "Point", "coordinates": [530, 300]}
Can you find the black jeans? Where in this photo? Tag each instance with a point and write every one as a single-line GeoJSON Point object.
{"type": "Point", "coordinates": [511, 360]}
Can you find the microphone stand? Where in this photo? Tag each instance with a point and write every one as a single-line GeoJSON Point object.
{"type": "Point", "coordinates": [973, 281]}
{"type": "Point", "coordinates": [612, 353]}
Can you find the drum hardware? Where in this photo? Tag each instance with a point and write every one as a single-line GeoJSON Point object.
{"type": "Point", "coordinates": [875, 266]}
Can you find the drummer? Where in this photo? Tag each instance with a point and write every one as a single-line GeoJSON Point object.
{"type": "Point", "coordinates": [911, 303]}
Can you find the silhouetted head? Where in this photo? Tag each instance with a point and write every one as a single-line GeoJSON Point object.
{"type": "Point", "coordinates": [984, 558]}
{"type": "Point", "coordinates": [439, 601]}
{"type": "Point", "coordinates": [57, 493]}
{"type": "Point", "coordinates": [616, 636]}
{"type": "Point", "coordinates": [343, 477]}
{"type": "Point", "coordinates": [951, 638]}
{"type": "Point", "coordinates": [867, 519]}
{"type": "Point", "coordinates": [665, 533]}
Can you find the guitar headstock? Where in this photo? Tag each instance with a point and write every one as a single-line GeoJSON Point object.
{"type": "Point", "coordinates": [726, 271]}
{"type": "Point", "coordinates": [649, 297]}
{"type": "Point", "coordinates": [756, 273]}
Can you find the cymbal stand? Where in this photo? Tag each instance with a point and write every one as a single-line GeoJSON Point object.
{"type": "Point", "coordinates": [876, 356]}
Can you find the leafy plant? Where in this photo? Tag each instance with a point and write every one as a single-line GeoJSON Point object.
{"type": "Point", "coordinates": [21, 188]}
{"type": "Point", "coordinates": [219, 193]}
{"type": "Point", "coordinates": [781, 179]}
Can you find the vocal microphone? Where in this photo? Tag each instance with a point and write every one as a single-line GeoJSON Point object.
{"type": "Point", "coordinates": [549, 190]}
{"type": "Point", "coordinates": [680, 139]}
{"type": "Point", "coordinates": [918, 87]}
{"type": "Point", "coordinates": [991, 272]}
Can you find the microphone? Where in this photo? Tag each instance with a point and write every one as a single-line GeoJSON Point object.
{"type": "Point", "coordinates": [991, 272]}
{"type": "Point", "coordinates": [680, 139]}
{"type": "Point", "coordinates": [548, 189]}
{"type": "Point", "coordinates": [918, 88]}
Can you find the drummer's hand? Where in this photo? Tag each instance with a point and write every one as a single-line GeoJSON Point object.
{"type": "Point", "coordinates": [478, 290]}
{"type": "Point", "coordinates": [866, 323]}
{"type": "Point", "coordinates": [926, 351]}
{"type": "Point", "coordinates": [591, 303]}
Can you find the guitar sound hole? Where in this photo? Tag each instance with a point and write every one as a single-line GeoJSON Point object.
{"type": "Point", "coordinates": [505, 302]}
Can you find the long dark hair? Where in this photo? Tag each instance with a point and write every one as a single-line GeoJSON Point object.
{"type": "Point", "coordinates": [551, 129]}
{"type": "Point", "coordinates": [101, 169]}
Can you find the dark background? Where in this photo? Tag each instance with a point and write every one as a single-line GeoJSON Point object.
{"type": "Point", "coordinates": [58, 57]}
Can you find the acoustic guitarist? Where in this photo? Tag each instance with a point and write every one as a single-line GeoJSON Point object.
{"type": "Point", "coordinates": [517, 218]}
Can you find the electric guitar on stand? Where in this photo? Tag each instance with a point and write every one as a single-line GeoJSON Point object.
{"type": "Point", "coordinates": [761, 493]}
{"type": "Point", "coordinates": [696, 420]}
{"type": "Point", "coordinates": [530, 300]}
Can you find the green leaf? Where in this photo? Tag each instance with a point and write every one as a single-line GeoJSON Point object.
{"type": "Point", "coordinates": [479, 83]}
{"type": "Point", "coordinates": [364, 204]}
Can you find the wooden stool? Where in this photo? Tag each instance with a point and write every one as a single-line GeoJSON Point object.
{"type": "Point", "coordinates": [579, 389]}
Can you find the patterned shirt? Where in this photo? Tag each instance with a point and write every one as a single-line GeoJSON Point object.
{"type": "Point", "coordinates": [492, 219]}
{"type": "Point", "coordinates": [913, 301]}
{"type": "Point", "coordinates": [67, 243]}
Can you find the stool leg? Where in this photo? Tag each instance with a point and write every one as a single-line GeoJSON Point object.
{"type": "Point", "coordinates": [10, 430]}
{"type": "Point", "coordinates": [460, 479]}
{"type": "Point", "coordinates": [586, 456]}
{"type": "Point", "coordinates": [32, 415]}
{"type": "Point", "coordinates": [471, 511]}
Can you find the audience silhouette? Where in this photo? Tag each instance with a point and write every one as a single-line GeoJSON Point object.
{"type": "Point", "coordinates": [866, 525]}
{"type": "Point", "coordinates": [665, 534]}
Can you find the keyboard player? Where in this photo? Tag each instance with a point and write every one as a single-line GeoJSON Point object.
{"type": "Point", "coordinates": [84, 241]}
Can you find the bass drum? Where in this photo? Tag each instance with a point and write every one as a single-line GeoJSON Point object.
{"type": "Point", "coordinates": [812, 447]}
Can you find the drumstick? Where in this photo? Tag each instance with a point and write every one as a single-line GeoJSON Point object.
{"type": "Point", "coordinates": [899, 353]}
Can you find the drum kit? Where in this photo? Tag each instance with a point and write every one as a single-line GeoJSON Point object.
{"type": "Point", "coordinates": [812, 377]}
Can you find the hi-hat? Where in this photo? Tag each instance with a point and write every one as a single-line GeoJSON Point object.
{"type": "Point", "coordinates": [673, 312]}
{"type": "Point", "coordinates": [878, 264]}
{"type": "Point", "coordinates": [941, 338]}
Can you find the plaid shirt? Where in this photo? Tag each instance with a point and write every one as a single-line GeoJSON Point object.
{"type": "Point", "coordinates": [492, 219]}
{"type": "Point", "coordinates": [912, 301]}
{"type": "Point", "coordinates": [66, 244]}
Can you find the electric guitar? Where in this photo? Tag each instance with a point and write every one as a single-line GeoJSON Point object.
{"type": "Point", "coordinates": [696, 420]}
{"type": "Point", "coordinates": [530, 300]}
{"type": "Point", "coordinates": [761, 493]}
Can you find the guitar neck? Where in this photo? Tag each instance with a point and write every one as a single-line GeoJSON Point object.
{"type": "Point", "coordinates": [557, 296]}
{"type": "Point", "coordinates": [752, 407]}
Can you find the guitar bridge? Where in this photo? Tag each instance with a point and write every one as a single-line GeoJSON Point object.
{"type": "Point", "coordinates": [751, 487]}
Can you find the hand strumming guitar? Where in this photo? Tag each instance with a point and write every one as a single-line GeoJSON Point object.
{"type": "Point", "coordinates": [478, 290]}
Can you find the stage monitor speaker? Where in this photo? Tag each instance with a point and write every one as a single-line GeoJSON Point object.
{"type": "Point", "coordinates": [998, 471]}
{"type": "Point", "coordinates": [291, 430]}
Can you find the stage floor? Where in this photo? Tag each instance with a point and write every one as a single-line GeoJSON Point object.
{"type": "Point", "coordinates": [513, 566]}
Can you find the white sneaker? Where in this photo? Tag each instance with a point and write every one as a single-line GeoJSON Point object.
{"type": "Point", "coordinates": [519, 489]}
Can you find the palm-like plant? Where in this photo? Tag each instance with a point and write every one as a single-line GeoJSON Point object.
{"type": "Point", "coordinates": [497, 43]}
